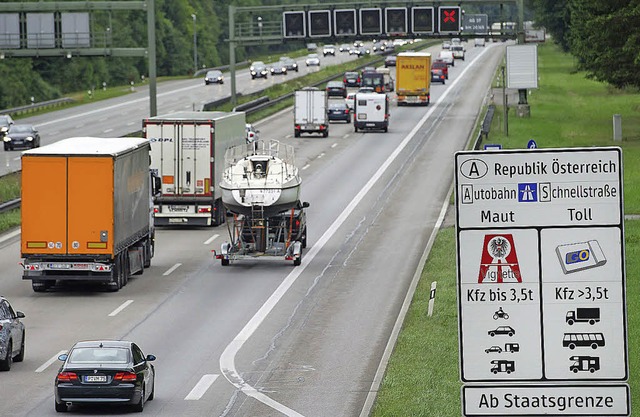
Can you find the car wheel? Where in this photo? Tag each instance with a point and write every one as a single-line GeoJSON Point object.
{"type": "Point", "coordinates": [224, 262]}
{"type": "Point", "coordinates": [355, 129]}
{"type": "Point", "coordinates": [5, 364]}
{"type": "Point", "coordinates": [20, 356]}
{"type": "Point", "coordinates": [298, 260]}
{"type": "Point", "coordinates": [153, 387]}
{"type": "Point", "coordinates": [61, 407]}
{"type": "Point", "coordinates": [140, 406]}
{"type": "Point", "coordinates": [6, 147]}
{"type": "Point", "coordinates": [304, 239]}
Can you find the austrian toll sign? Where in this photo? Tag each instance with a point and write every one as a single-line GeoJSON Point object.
{"type": "Point", "coordinates": [541, 282]}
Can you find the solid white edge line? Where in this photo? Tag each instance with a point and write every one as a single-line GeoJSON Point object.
{"type": "Point", "coordinates": [227, 359]}
{"type": "Point", "coordinates": [395, 332]}
{"type": "Point", "coordinates": [211, 239]}
{"type": "Point", "coordinates": [201, 387]}
{"type": "Point", "coordinates": [10, 235]}
{"type": "Point", "coordinates": [173, 268]}
{"type": "Point", "coordinates": [119, 309]}
{"type": "Point", "coordinates": [50, 361]}
{"type": "Point", "coordinates": [305, 167]}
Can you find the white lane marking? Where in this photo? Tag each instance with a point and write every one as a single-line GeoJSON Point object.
{"type": "Point", "coordinates": [173, 268]}
{"type": "Point", "coordinates": [228, 357]}
{"type": "Point", "coordinates": [119, 309]}
{"type": "Point", "coordinates": [131, 123]}
{"type": "Point", "coordinates": [17, 158]}
{"type": "Point", "coordinates": [211, 239]}
{"type": "Point", "coordinates": [345, 136]}
{"type": "Point", "coordinates": [321, 155]}
{"type": "Point", "coordinates": [77, 126]}
{"type": "Point", "coordinates": [305, 167]}
{"type": "Point", "coordinates": [201, 387]}
{"type": "Point", "coordinates": [289, 136]}
{"type": "Point", "coordinates": [10, 235]}
{"type": "Point", "coordinates": [334, 145]}
{"type": "Point", "coordinates": [50, 361]}
{"type": "Point", "coordinates": [108, 130]}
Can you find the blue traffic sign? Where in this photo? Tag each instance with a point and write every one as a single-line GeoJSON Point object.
{"type": "Point", "coordinates": [532, 144]}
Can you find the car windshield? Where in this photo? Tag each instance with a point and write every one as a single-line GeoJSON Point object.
{"type": "Point", "coordinates": [99, 355]}
{"type": "Point", "coordinates": [334, 84]}
{"type": "Point", "coordinates": [337, 106]}
{"type": "Point", "coordinates": [20, 129]}
{"type": "Point", "coordinates": [214, 74]}
{"type": "Point", "coordinates": [313, 55]}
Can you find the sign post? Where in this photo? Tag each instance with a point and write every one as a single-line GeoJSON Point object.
{"type": "Point", "coordinates": [541, 282]}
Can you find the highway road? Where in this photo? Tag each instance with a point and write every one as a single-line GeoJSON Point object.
{"type": "Point", "coordinates": [123, 115]}
{"type": "Point", "coordinates": [264, 338]}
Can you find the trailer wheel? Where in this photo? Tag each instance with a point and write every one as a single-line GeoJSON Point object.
{"type": "Point", "coordinates": [355, 129]}
{"type": "Point", "coordinates": [325, 134]}
{"type": "Point", "coordinates": [296, 134]}
{"type": "Point", "coordinates": [304, 238]}
{"type": "Point", "coordinates": [39, 286]}
{"type": "Point", "coordinates": [297, 261]}
{"type": "Point", "coordinates": [224, 262]}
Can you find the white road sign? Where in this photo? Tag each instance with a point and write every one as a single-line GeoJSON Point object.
{"type": "Point", "coordinates": [541, 284]}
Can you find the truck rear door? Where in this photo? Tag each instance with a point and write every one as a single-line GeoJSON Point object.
{"type": "Point", "coordinates": [44, 205]}
{"type": "Point", "coordinates": [90, 205]}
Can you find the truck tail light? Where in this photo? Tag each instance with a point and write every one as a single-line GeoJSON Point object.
{"type": "Point", "coordinates": [67, 376]}
{"type": "Point", "coordinates": [204, 210]}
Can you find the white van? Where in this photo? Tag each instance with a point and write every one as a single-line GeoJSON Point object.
{"type": "Point", "coordinates": [371, 111]}
{"type": "Point", "coordinates": [478, 42]}
{"type": "Point", "coordinates": [447, 56]}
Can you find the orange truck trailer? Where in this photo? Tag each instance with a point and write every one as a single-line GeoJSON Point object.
{"type": "Point", "coordinates": [413, 78]}
{"type": "Point", "coordinates": [87, 211]}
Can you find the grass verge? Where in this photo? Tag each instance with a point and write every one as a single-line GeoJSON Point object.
{"type": "Point", "coordinates": [568, 110]}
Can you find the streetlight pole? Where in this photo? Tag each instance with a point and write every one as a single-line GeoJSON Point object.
{"type": "Point", "coordinates": [195, 45]}
{"type": "Point", "coordinates": [260, 25]}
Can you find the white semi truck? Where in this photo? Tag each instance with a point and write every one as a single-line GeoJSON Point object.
{"type": "Point", "coordinates": [187, 154]}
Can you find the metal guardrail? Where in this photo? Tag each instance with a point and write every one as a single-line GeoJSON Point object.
{"type": "Point", "coordinates": [10, 205]}
{"type": "Point", "coordinates": [486, 126]}
{"type": "Point", "coordinates": [37, 106]}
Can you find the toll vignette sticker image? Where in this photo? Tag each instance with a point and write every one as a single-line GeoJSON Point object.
{"type": "Point", "coordinates": [499, 304]}
{"type": "Point", "coordinates": [583, 309]}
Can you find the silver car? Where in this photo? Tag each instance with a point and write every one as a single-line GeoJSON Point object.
{"type": "Point", "coordinates": [11, 335]}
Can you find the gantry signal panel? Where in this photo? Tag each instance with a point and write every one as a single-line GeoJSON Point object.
{"type": "Point", "coordinates": [371, 21]}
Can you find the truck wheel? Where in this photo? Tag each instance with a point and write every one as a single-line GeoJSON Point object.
{"type": "Point", "coordinates": [298, 260]}
{"type": "Point", "coordinates": [304, 239]}
{"type": "Point", "coordinates": [39, 286]}
{"type": "Point", "coordinates": [355, 128]}
{"type": "Point", "coordinates": [147, 253]}
{"type": "Point", "coordinates": [296, 134]}
{"type": "Point", "coordinates": [385, 130]}
{"type": "Point", "coordinates": [325, 133]}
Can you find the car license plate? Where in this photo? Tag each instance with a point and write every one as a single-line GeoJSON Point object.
{"type": "Point", "coordinates": [370, 124]}
{"type": "Point", "coordinates": [95, 378]}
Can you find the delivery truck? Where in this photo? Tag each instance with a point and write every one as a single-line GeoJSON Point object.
{"type": "Point", "coordinates": [87, 211]}
{"type": "Point", "coordinates": [371, 112]}
{"type": "Point", "coordinates": [413, 78]}
{"type": "Point", "coordinates": [187, 154]}
{"type": "Point", "coordinates": [310, 113]}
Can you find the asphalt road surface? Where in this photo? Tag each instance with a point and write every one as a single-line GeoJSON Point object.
{"type": "Point", "coordinates": [261, 337]}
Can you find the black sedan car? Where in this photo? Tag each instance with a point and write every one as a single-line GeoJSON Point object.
{"type": "Point", "coordinates": [339, 111]}
{"type": "Point", "coordinates": [21, 136]}
{"type": "Point", "coordinates": [390, 61]}
{"type": "Point", "coordinates": [351, 79]}
{"type": "Point", "coordinates": [336, 89]}
{"type": "Point", "coordinates": [105, 371]}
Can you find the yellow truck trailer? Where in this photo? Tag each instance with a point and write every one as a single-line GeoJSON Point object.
{"type": "Point", "coordinates": [86, 211]}
{"type": "Point", "coordinates": [413, 78]}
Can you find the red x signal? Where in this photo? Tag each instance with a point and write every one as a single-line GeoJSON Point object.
{"type": "Point", "coordinates": [449, 16]}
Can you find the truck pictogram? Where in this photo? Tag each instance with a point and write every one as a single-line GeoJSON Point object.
{"type": "Point", "coordinates": [583, 315]}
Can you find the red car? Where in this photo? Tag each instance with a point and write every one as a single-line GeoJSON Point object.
{"type": "Point", "coordinates": [439, 64]}
{"type": "Point", "coordinates": [437, 75]}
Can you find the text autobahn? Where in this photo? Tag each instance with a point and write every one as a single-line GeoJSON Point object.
{"type": "Point", "coordinates": [537, 192]}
